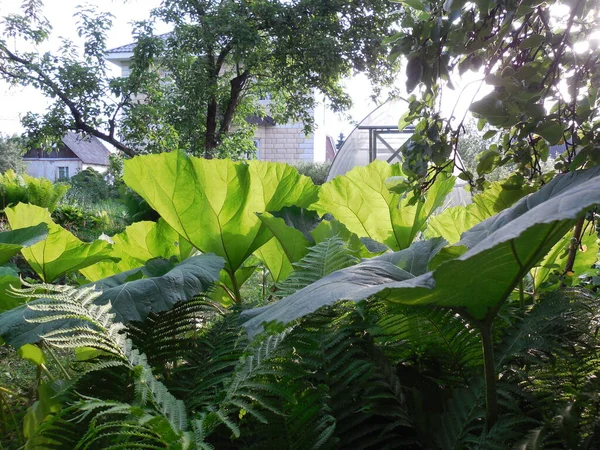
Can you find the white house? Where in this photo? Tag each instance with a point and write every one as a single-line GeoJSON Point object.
{"type": "Point", "coordinates": [78, 153]}
{"type": "Point", "coordinates": [275, 142]}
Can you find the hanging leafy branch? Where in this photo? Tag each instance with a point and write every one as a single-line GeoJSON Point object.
{"type": "Point", "coordinates": [540, 59]}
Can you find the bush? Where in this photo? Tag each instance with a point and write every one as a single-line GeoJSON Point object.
{"type": "Point", "coordinates": [88, 223]}
{"type": "Point", "coordinates": [89, 186]}
{"type": "Point", "coordinates": [42, 192]}
{"type": "Point", "coordinates": [317, 171]}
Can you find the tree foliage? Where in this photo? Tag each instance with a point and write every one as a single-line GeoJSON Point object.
{"type": "Point", "coordinates": [541, 61]}
{"type": "Point", "coordinates": [11, 154]}
{"type": "Point", "coordinates": [200, 82]}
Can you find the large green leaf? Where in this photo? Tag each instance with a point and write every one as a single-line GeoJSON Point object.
{"type": "Point", "coordinates": [274, 257]}
{"type": "Point", "coordinates": [556, 259]}
{"type": "Point", "coordinates": [138, 244]}
{"type": "Point", "coordinates": [132, 297]}
{"type": "Point", "coordinates": [501, 251]}
{"type": "Point", "coordinates": [353, 283]}
{"type": "Point", "coordinates": [453, 222]}
{"type": "Point", "coordinates": [11, 242]}
{"type": "Point", "coordinates": [362, 202]}
{"type": "Point", "coordinates": [292, 241]}
{"type": "Point", "coordinates": [61, 251]}
{"type": "Point", "coordinates": [9, 278]}
{"type": "Point", "coordinates": [213, 203]}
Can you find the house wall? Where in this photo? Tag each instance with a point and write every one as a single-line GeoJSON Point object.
{"type": "Point", "coordinates": [285, 143]}
{"type": "Point", "coordinates": [48, 167]}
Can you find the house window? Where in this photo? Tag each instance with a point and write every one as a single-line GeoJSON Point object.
{"type": "Point", "coordinates": [63, 173]}
{"type": "Point", "coordinates": [257, 145]}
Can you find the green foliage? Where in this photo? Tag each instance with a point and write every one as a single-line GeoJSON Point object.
{"type": "Point", "coordinates": [361, 201]}
{"type": "Point", "coordinates": [138, 244]}
{"type": "Point", "coordinates": [11, 242]}
{"type": "Point", "coordinates": [322, 259]}
{"type": "Point", "coordinates": [15, 188]}
{"type": "Point", "coordinates": [11, 154]}
{"type": "Point", "coordinates": [205, 78]}
{"type": "Point", "coordinates": [60, 252]}
{"type": "Point", "coordinates": [316, 171]}
{"type": "Point", "coordinates": [502, 248]}
{"type": "Point", "coordinates": [213, 203]}
{"type": "Point", "coordinates": [380, 353]}
{"type": "Point", "coordinates": [133, 295]}
{"type": "Point", "coordinates": [87, 186]}
{"type": "Point", "coordinates": [524, 53]}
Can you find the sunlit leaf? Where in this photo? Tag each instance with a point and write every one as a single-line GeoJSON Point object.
{"type": "Point", "coordinates": [361, 201]}
{"type": "Point", "coordinates": [61, 252]}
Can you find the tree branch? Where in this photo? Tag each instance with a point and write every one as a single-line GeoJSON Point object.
{"type": "Point", "coordinates": [80, 123]}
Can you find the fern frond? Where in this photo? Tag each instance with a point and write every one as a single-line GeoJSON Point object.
{"type": "Point", "coordinates": [409, 334]}
{"type": "Point", "coordinates": [175, 334]}
{"type": "Point", "coordinates": [105, 334]}
{"type": "Point", "coordinates": [324, 258]}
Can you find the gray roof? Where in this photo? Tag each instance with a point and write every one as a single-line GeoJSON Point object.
{"type": "Point", "coordinates": [128, 48]}
{"type": "Point", "coordinates": [88, 148]}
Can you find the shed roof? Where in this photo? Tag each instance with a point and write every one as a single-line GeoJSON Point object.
{"type": "Point", "coordinates": [87, 148]}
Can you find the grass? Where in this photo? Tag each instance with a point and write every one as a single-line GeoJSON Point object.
{"type": "Point", "coordinates": [18, 391]}
{"type": "Point", "coordinates": [18, 378]}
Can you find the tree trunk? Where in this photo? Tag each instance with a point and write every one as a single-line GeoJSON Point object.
{"type": "Point", "coordinates": [210, 141]}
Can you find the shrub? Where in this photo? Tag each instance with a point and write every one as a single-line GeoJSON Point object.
{"type": "Point", "coordinates": [15, 188]}
{"type": "Point", "coordinates": [89, 186]}
{"type": "Point", "coordinates": [88, 223]}
{"type": "Point", "coordinates": [317, 171]}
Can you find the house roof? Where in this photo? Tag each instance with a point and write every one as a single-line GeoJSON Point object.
{"type": "Point", "coordinates": [128, 48]}
{"type": "Point", "coordinates": [87, 148]}
{"type": "Point", "coordinates": [258, 120]}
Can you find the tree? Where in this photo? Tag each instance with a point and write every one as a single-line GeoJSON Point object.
{"type": "Point", "coordinates": [340, 141]}
{"type": "Point", "coordinates": [541, 60]}
{"type": "Point", "coordinates": [11, 153]}
{"type": "Point", "coordinates": [202, 80]}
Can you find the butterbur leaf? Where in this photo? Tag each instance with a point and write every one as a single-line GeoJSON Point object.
{"type": "Point", "coordinates": [556, 259]}
{"type": "Point", "coordinates": [293, 242]}
{"type": "Point", "coordinates": [213, 203]}
{"type": "Point", "coordinates": [131, 299]}
{"type": "Point", "coordinates": [361, 201]}
{"type": "Point", "coordinates": [353, 283]}
{"type": "Point", "coordinates": [11, 242]}
{"type": "Point", "coordinates": [452, 222]}
{"type": "Point", "coordinates": [501, 250]}
{"type": "Point", "coordinates": [274, 257]}
{"type": "Point", "coordinates": [134, 300]}
{"type": "Point", "coordinates": [138, 244]}
{"type": "Point", "coordinates": [9, 278]}
{"type": "Point", "coordinates": [61, 252]}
